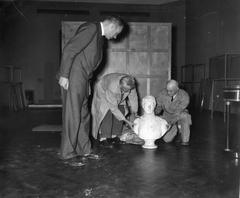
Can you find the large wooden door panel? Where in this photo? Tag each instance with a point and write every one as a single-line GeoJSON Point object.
{"type": "Point", "coordinates": [157, 84]}
{"type": "Point", "coordinates": [138, 37]}
{"type": "Point", "coordinates": [160, 36]}
{"type": "Point", "coordinates": [138, 63]}
{"type": "Point", "coordinates": [142, 86]}
{"type": "Point", "coordinates": [160, 63]}
{"type": "Point", "coordinates": [117, 60]}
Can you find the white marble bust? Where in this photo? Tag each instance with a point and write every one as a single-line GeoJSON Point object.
{"type": "Point", "coordinates": [150, 127]}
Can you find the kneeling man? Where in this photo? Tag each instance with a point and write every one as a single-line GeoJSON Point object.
{"type": "Point", "coordinates": [173, 102]}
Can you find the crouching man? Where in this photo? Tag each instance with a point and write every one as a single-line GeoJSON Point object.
{"type": "Point", "coordinates": [112, 94]}
{"type": "Point", "coordinates": [172, 102]}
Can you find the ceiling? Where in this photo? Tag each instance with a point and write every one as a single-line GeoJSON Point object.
{"type": "Point", "coordinates": [148, 2]}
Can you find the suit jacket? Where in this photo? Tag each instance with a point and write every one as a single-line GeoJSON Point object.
{"type": "Point", "coordinates": [83, 52]}
{"type": "Point", "coordinates": [179, 103]}
{"type": "Point", "coordinates": [172, 110]}
{"type": "Point", "coordinates": [107, 96]}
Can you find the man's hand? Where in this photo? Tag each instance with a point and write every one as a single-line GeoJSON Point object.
{"type": "Point", "coordinates": [136, 115]}
{"type": "Point", "coordinates": [63, 82]}
{"type": "Point", "coordinates": [133, 116]}
{"type": "Point", "coordinates": [169, 126]}
{"type": "Point", "coordinates": [130, 124]}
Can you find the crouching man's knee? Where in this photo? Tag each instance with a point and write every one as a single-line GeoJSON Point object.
{"type": "Point", "coordinates": [170, 134]}
{"type": "Point", "coordinates": [185, 118]}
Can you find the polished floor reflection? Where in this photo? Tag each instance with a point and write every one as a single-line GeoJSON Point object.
{"type": "Point", "coordinates": [30, 167]}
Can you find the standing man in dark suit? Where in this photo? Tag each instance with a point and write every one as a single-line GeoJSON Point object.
{"type": "Point", "coordinates": [81, 56]}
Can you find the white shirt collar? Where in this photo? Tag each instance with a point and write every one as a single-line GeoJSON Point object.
{"type": "Point", "coordinates": [102, 29]}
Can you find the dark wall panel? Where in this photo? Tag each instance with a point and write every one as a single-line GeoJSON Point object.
{"type": "Point", "coordinates": [212, 28]}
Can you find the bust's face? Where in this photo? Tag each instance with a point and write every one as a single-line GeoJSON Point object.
{"type": "Point", "coordinates": [148, 106]}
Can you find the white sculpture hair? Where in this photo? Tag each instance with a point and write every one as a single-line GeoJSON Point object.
{"type": "Point", "coordinates": [149, 99]}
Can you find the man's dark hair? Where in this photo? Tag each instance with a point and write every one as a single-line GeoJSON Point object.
{"type": "Point", "coordinates": [129, 80]}
{"type": "Point", "coordinates": [116, 20]}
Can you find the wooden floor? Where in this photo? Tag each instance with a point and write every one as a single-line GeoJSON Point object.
{"type": "Point", "coordinates": [30, 167]}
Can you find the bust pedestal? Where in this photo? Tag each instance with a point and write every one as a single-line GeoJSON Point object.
{"type": "Point", "coordinates": [149, 144]}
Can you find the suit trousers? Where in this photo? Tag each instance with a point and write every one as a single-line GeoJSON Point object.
{"type": "Point", "coordinates": [110, 125]}
{"type": "Point", "coordinates": [76, 121]}
{"type": "Point", "coordinates": [180, 122]}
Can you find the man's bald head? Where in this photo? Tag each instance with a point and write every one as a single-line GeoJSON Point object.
{"type": "Point", "coordinates": [172, 87]}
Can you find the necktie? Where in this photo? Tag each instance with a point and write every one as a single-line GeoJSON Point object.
{"type": "Point", "coordinates": [172, 99]}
